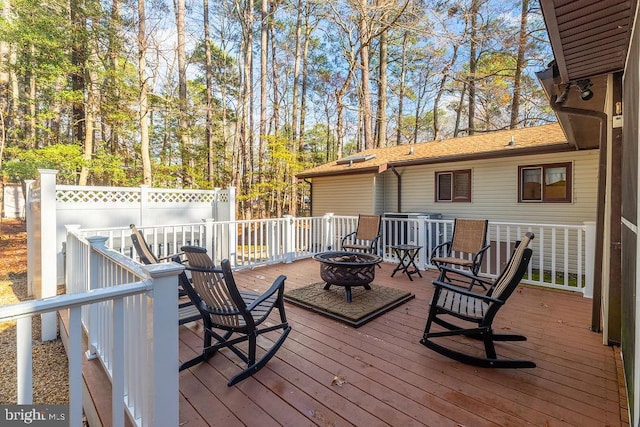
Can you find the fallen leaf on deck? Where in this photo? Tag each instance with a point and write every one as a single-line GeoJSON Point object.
{"type": "Point", "coordinates": [338, 380]}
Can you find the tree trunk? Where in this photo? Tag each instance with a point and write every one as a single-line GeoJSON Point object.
{"type": "Point", "coordinates": [517, 78]}
{"type": "Point", "coordinates": [381, 123]}
{"type": "Point", "coordinates": [208, 132]}
{"type": "Point", "coordinates": [264, 50]}
{"type": "Point", "coordinates": [93, 102]}
{"type": "Point", "coordinates": [143, 103]}
{"type": "Point", "coordinates": [294, 108]}
{"type": "Point", "coordinates": [31, 128]}
{"type": "Point", "coordinates": [473, 65]}
{"type": "Point", "coordinates": [456, 130]}
{"type": "Point", "coordinates": [78, 58]}
{"type": "Point", "coordinates": [274, 69]}
{"type": "Point", "coordinates": [112, 80]}
{"type": "Point", "coordinates": [183, 121]}
{"type": "Point", "coordinates": [365, 73]}
{"type": "Point", "coordinates": [403, 74]}
{"type": "Point", "coordinates": [441, 88]}
{"type": "Point", "coordinates": [305, 78]}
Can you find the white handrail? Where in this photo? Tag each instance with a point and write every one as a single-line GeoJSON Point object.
{"type": "Point", "coordinates": [561, 251]}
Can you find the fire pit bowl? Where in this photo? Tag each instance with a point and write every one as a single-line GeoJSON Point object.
{"type": "Point", "coordinates": [347, 269]}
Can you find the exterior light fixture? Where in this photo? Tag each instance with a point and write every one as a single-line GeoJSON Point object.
{"type": "Point", "coordinates": [585, 89]}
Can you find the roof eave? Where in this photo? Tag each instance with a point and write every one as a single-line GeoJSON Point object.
{"type": "Point", "coordinates": [510, 152]}
{"type": "Point", "coordinates": [369, 170]}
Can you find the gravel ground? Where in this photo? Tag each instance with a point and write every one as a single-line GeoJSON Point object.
{"type": "Point", "coordinates": [50, 377]}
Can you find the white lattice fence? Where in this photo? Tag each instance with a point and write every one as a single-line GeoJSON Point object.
{"type": "Point", "coordinates": [106, 207]}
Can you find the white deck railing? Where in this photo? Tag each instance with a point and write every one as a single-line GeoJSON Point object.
{"type": "Point", "coordinates": [129, 315]}
{"type": "Point", "coordinates": [563, 254]}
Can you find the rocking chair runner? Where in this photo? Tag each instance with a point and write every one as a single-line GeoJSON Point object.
{"type": "Point", "coordinates": [231, 311]}
{"type": "Point", "coordinates": [465, 249]}
{"type": "Point", "coordinates": [480, 309]}
{"type": "Point", "coordinates": [186, 311]}
{"type": "Point", "coordinates": [366, 236]}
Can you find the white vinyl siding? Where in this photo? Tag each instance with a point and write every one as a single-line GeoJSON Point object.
{"type": "Point", "coordinates": [494, 185]}
{"type": "Point", "coordinates": [346, 194]}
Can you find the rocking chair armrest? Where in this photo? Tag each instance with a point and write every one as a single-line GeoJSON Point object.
{"type": "Point", "coordinates": [435, 250]}
{"type": "Point", "coordinates": [173, 257]}
{"type": "Point", "coordinates": [462, 291]}
{"type": "Point", "coordinates": [277, 285]}
{"type": "Point", "coordinates": [466, 274]}
{"type": "Point", "coordinates": [204, 269]}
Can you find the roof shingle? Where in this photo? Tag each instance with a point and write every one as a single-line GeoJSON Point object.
{"type": "Point", "coordinates": [494, 144]}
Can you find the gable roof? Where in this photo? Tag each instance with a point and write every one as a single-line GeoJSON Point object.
{"type": "Point", "coordinates": [532, 140]}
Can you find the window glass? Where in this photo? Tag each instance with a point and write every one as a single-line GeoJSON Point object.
{"type": "Point", "coordinates": [555, 183]}
{"type": "Point", "coordinates": [444, 186]}
{"type": "Point", "coordinates": [532, 184]}
{"type": "Point", "coordinates": [462, 186]}
{"type": "Point", "coordinates": [545, 183]}
{"type": "Point", "coordinates": [453, 186]}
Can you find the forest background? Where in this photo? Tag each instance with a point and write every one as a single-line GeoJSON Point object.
{"type": "Point", "coordinates": [200, 94]}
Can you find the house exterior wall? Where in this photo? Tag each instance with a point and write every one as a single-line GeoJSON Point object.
{"type": "Point", "coordinates": [494, 190]}
{"type": "Point", "coordinates": [345, 195]}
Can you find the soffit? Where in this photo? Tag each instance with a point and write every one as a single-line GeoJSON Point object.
{"type": "Point", "coordinates": [588, 37]}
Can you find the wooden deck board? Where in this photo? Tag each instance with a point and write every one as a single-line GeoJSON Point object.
{"type": "Point", "coordinates": [391, 379]}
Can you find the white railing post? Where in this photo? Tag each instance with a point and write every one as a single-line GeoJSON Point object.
{"type": "Point", "coordinates": [589, 257]}
{"type": "Point", "coordinates": [289, 244]}
{"type": "Point", "coordinates": [69, 254]}
{"type": "Point", "coordinates": [423, 240]}
{"type": "Point", "coordinates": [92, 283]}
{"type": "Point", "coordinates": [208, 237]}
{"type": "Point", "coordinates": [329, 227]}
{"type": "Point", "coordinates": [48, 252]}
{"type": "Point", "coordinates": [30, 237]}
{"type": "Point", "coordinates": [162, 392]}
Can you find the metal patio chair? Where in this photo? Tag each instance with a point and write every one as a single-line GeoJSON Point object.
{"type": "Point", "coordinates": [226, 311]}
{"type": "Point", "coordinates": [365, 238]}
{"type": "Point", "coordinates": [465, 249]}
{"type": "Point", "coordinates": [480, 309]}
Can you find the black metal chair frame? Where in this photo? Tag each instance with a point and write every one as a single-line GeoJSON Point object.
{"type": "Point", "coordinates": [231, 311]}
{"type": "Point", "coordinates": [478, 308]}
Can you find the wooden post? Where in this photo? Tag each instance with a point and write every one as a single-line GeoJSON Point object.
{"type": "Point", "coordinates": [589, 257]}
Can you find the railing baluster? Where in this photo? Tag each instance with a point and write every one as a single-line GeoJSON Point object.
{"type": "Point", "coordinates": [74, 358]}
{"type": "Point", "coordinates": [24, 361]}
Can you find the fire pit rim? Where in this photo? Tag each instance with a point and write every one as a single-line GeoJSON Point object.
{"type": "Point", "coordinates": [366, 259]}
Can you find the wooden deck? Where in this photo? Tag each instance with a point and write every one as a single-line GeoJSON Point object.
{"type": "Point", "coordinates": [329, 374]}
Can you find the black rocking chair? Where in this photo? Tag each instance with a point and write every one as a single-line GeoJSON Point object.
{"type": "Point", "coordinates": [186, 311]}
{"type": "Point", "coordinates": [478, 308]}
{"type": "Point", "coordinates": [231, 311]}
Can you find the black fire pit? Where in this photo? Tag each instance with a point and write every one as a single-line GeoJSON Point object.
{"type": "Point", "coordinates": [347, 269]}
